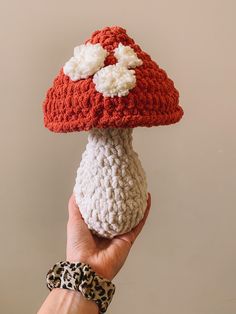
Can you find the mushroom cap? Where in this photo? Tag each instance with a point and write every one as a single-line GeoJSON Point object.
{"type": "Point", "coordinates": [76, 105]}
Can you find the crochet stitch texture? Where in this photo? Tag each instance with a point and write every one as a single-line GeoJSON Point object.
{"type": "Point", "coordinates": [111, 187]}
{"type": "Point", "coordinates": [76, 105]}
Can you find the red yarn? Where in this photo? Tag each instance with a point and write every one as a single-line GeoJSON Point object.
{"type": "Point", "coordinates": [76, 106]}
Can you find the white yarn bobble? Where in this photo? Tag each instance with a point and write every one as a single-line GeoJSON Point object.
{"type": "Point", "coordinates": [127, 57]}
{"type": "Point", "coordinates": [114, 80]}
{"type": "Point", "coordinates": [87, 60]}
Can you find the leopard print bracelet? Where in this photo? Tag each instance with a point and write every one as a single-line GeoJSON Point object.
{"type": "Point", "coordinates": [80, 277]}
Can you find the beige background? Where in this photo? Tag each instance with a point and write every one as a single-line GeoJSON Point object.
{"type": "Point", "coordinates": [184, 262]}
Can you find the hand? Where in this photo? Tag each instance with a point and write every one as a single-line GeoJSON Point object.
{"type": "Point", "coordinates": [105, 256]}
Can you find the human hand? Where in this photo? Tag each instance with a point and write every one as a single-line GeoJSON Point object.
{"type": "Point", "coordinates": [105, 256]}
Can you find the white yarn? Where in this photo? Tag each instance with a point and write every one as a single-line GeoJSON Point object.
{"type": "Point", "coordinates": [87, 60]}
{"type": "Point", "coordinates": [111, 188]}
{"type": "Point", "coordinates": [114, 80]}
{"type": "Point", "coordinates": [127, 57]}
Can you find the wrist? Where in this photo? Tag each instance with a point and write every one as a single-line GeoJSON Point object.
{"type": "Point", "coordinates": [81, 304]}
{"type": "Point", "coordinates": [80, 277]}
{"type": "Point", "coordinates": [103, 271]}
{"type": "Point", "coordinates": [62, 301]}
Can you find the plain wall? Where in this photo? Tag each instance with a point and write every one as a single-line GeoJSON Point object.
{"type": "Point", "coordinates": [184, 262]}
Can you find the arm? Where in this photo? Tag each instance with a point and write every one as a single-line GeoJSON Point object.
{"type": "Point", "coordinates": [62, 301]}
{"type": "Point", "coordinates": [105, 256]}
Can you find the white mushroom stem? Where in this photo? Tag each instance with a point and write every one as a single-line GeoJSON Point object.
{"type": "Point", "coordinates": [111, 188]}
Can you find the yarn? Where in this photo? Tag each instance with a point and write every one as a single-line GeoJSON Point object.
{"type": "Point", "coordinates": [114, 80]}
{"type": "Point", "coordinates": [127, 57]}
{"type": "Point", "coordinates": [87, 60]}
{"type": "Point", "coordinates": [76, 105]}
{"type": "Point", "coordinates": [111, 188]}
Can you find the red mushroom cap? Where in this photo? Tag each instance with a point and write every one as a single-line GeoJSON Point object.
{"type": "Point", "coordinates": [76, 105]}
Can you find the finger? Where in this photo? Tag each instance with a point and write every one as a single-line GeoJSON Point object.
{"type": "Point", "coordinates": [76, 222]}
{"type": "Point", "coordinates": [73, 210]}
{"type": "Point", "coordinates": [130, 236]}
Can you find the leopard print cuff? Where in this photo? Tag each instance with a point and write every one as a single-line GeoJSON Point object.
{"type": "Point", "coordinates": [81, 277]}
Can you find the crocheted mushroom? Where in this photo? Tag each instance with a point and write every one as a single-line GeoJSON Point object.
{"type": "Point", "coordinates": [108, 87]}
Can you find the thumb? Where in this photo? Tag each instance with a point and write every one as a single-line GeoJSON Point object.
{"type": "Point", "coordinates": [76, 225]}
{"type": "Point", "coordinates": [73, 210]}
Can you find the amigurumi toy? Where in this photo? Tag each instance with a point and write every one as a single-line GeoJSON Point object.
{"type": "Point", "coordinates": [109, 87]}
